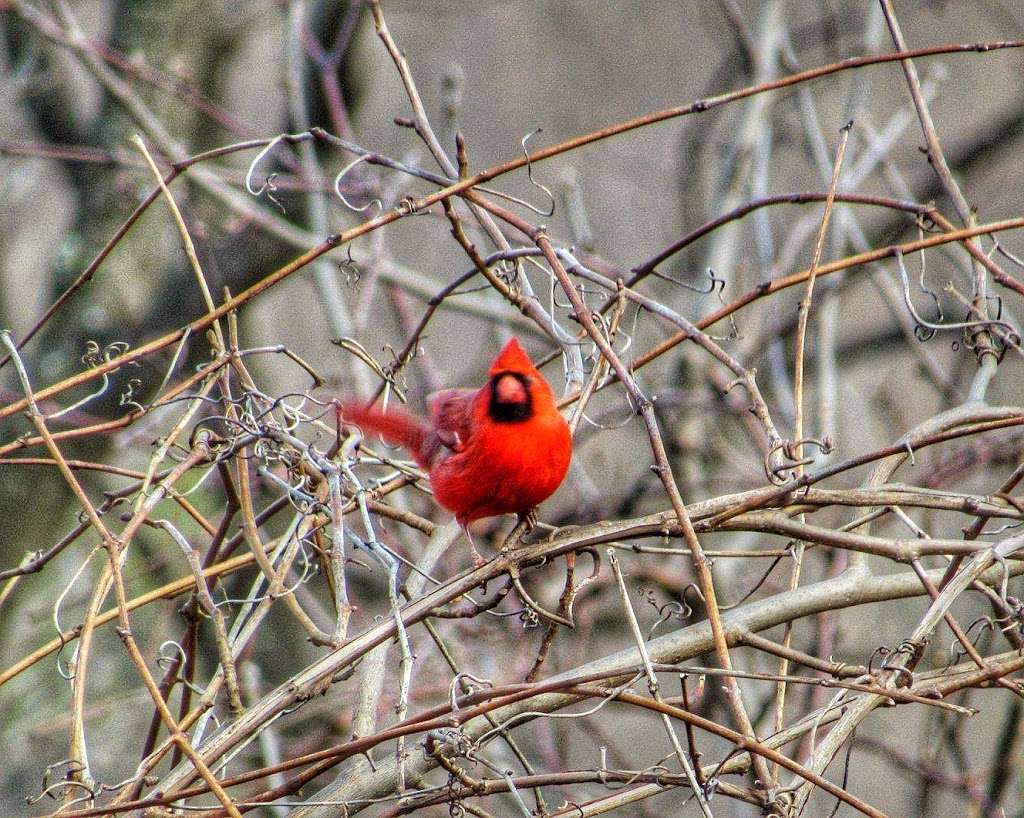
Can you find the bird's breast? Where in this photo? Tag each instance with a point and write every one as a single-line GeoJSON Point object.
{"type": "Point", "coordinates": [504, 468]}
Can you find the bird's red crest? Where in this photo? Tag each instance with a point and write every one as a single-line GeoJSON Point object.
{"type": "Point", "coordinates": [512, 358]}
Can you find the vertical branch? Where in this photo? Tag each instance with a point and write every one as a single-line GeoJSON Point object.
{"type": "Point", "coordinates": [186, 240]}
{"type": "Point", "coordinates": [798, 405]}
{"type": "Point", "coordinates": [805, 302]}
{"type": "Point", "coordinates": [423, 128]}
{"type": "Point", "coordinates": [324, 275]}
{"type": "Point", "coordinates": [645, 408]}
{"type": "Point", "coordinates": [988, 357]}
{"type": "Point", "coordinates": [275, 578]}
{"type": "Point", "coordinates": [216, 615]}
{"type": "Point", "coordinates": [936, 157]}
{"type": "Point", "coordinates": [343, 607]}
{"type": "Point", "coordinates": [655, 687]}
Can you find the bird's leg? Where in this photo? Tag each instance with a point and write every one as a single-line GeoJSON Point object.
{"type": "Point", "coordinates": [478, 560]}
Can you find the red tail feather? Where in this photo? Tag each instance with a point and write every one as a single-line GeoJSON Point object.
{"type": "Point", "coordinates": [395, 426]}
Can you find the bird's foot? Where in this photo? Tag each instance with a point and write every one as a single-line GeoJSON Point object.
{"type": "Point", "coordinates": [526, 521]}
{"type": "Point", "coordinates": [529, 519]}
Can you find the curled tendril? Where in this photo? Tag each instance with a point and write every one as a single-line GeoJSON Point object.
{"type": "Point", "coordinates": [715, 284]}
{"type": "Point", "coordinates": [93, 357]}
{"type": "Point", "coordinates": [534, 611]}
{"type": "Point", "coordinates": [789, 449]}
{"type": "Point", "coordinates": [127, 397]}
{"type": "Point", "coordinates": [529, 175]}
{"type": "Point", "coordinates": [912, 650]}
{"type": "Point", "coordinates": [460, 744]}
{"type": "Point", "coordinates": [921, 332]}
{"type": "Point", "coordinates": [407, 207]}
{"type": "Point", "coordinates": [268, 185]}
{"type": "Point", "coordinates": [1015, 618]}
{"type": "Point", "coordinates": [337, 188]}
{"type": "Point", "coordinates": [782, 804]}
{"type": "Point", "coordinates": [166, 661]}
{"type": "Point", "coordinates": [924, 325]}
{"type": "Point", "coordinates": [469, 684]}
{"type": "Point", "coordinates": [719, 283]}
{"type": "Point", "coordinates": [679, 611]}
{"type": "Point", "coordinates": [90, 792]}
{"type": "Point", "coordinates": [1006, 337]}
{"type": "Point", "coordinates": [978, 627]}
{"type": "Point", "coordinates": [351, 269]}
{"type": "Point", "coordinates": [880, 652]}
{"type": "Point", "coordinates": [73, 765]}
{"type": "Point", "coordinates": [528, 617]}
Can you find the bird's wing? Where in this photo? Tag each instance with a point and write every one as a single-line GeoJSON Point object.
{"type": "Point", "coordinates": [451, 415]}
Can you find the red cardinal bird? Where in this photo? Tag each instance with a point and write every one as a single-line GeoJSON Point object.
{"type": "Point", "coordinates": [499, 449]}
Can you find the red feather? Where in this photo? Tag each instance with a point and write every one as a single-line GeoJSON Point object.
{"type": "Point", "coordinates": [500, 449]}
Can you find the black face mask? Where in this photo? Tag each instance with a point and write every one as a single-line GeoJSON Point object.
{"type": "Point", "coordinates": [509, 411]}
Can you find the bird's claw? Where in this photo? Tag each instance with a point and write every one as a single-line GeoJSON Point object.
{"type": "Point", "coordinates": [529, 518]}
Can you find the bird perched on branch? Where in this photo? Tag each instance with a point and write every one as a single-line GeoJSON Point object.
{"type": "Point", "coordinates": [503, 448]}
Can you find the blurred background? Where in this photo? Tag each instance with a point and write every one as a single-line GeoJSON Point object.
{"type": "Point", "coordinates": [80, 79]}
